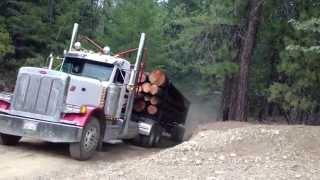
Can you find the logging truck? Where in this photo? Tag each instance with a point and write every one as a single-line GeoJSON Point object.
{"type": "Point", "coordinates": [92, 98]}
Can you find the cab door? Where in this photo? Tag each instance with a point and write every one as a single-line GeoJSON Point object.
{"type": "Point", "coordinates": [121, 79]}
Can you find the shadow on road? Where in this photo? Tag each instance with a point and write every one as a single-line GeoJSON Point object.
{"type": "Point", "coordinates": [109, 152]}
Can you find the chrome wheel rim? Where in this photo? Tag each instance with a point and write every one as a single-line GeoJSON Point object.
{"type": "Point", "coordinates": [91, 139]}
{"type": "Point", "coordinates": [151, 139]}
{"type": "Point", "coordinates": [157, 139]}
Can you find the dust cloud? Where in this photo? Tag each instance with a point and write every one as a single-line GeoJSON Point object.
{"type": "Point", "coordinates": [202, 112]}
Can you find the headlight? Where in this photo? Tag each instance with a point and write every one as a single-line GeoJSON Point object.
{"type": "Point", "coordinates": [83, 109]}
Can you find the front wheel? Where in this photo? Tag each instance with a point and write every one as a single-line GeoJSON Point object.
{"type": "Point", "coordinates": [89, 142]}
{"type": "Point", "coordinates": [9, 140]}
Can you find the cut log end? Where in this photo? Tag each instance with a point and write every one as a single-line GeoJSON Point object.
{"type": "Point", "coordinates": [146, 87]}
{"type": "Point", "coordinates": [154, 100]}
{"type": "Point", "coordinates": [154, 89]}
{"type": "Point", "coordinates": [152, 110]}
{"type": "Point", "coordinates": [158, 78]}
{"type": "Point", "coordinates": [139, 106]}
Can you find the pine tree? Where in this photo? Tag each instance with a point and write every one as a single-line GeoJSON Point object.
{"type": "Point", "coordinates": [297, 94]}
{"type": "Point", "coordinates": [127, 19]}
{"type": "Point", "coordinates": [202, 43]}
{"type": "Point", "coordinates": [5, 40]}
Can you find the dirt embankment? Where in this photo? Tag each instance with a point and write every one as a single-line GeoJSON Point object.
{"type": "Point", "coordinates": [223, 151]}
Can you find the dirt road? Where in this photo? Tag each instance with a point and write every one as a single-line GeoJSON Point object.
{"type": "Point", "coordinates": [218, 151]}
{"type": "Point", "coordinates": [33, 159]}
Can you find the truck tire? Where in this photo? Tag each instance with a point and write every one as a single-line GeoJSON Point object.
{"type": "Point", "coordinates": [153, 139]}
{"type": "Point", "coordinates": [177, 133]}
{"type": "Point", "coordinates": [89, 142]}
{"type": "Point", "coordinates": [9, 140]}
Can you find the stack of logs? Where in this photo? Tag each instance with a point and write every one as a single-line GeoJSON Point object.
{"type": "Point", "coordinates": [149, 92]}
{"type": "Point", "coordinates": [157, 97]}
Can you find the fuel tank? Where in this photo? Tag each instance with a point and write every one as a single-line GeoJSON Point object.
{"type": "Point", "coordinates": [112, 101]}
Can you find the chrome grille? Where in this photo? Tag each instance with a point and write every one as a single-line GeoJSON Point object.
{"type": "Point", "coordinates": [39, 96]}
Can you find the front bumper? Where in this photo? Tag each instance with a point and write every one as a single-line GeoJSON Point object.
{"type": "Point", "coordinates": [38, 129]}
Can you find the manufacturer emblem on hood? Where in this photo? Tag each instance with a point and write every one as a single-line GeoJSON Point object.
{"type": "Point", "coordinates": [43, 72]}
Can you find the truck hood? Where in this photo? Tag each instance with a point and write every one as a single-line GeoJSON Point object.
{"type": "Point", "coordinates": [85, 91]}
{"type": "Point", "coordinates": [42, 93]}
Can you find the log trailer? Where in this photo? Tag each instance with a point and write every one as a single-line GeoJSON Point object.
{"type": "Point", "coordinates": [86, 102]}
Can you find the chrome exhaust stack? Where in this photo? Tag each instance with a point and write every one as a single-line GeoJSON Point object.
{"type": "Point", "coordinates": [74, 35]}
{"type": "Point", "coordinates": [131, 87]}
{"type": "Point", "coordinates": [134, 74]}
{"type": "Point", "coordinates": [51, 59]}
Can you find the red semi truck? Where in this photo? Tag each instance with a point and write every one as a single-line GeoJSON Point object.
{"type": "Point", "coordinates": [86, 102]}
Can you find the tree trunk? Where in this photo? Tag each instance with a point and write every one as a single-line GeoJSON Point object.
{"type": "Point", "coordinates": [51, 4]}
{"type": "Point", "coordinates": [274, 76]}
{"type": "Point", "coordinates": [230, 88]}
{"type": "Point", "coordinates": [225, 101]}
{"type": "Point", "coordinates": [234, 96]}
{"type": "Point", "coordinates": [246, 56]}
{"type": "Point", "coordinates": [229, 98]}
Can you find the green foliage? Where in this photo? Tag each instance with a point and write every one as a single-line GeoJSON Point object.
{"type": "Point", "coordinates": [202, 42]}
{"type": "Point", "coordinates": [31, 30]}
{"type": "Point", "coordinates": [128, 19]}
{"type": "Point", "coordinates": [266, 57]}
{"type": "Point", "coordinates": [300, 65]}
{"type": "Point", "coordinates": [311, 25]}
{"type": "Point", "coordinates": [37, 61]}
{"type": "Point", "coordinates": [5, 40]}
{"type": "Point", "coordinates": [196, 41]}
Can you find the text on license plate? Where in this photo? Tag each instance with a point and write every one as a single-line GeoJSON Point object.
{"type": "Point", "coordinates": [30, 126]}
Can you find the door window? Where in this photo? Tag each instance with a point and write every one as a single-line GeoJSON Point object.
{"type": "Point", "coordinates": [120, 77]}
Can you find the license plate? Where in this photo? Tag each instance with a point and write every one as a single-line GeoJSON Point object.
{"type": "Point", "coordinates": [32, 126]}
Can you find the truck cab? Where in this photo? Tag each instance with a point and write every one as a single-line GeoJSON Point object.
{"type": "Point", "coordinates": [91, 76]}
{"type": "Point", "coordinates": [86, 102]}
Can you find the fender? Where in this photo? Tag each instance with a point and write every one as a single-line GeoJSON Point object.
{"type": "Point", "coordinates": [82, 119]}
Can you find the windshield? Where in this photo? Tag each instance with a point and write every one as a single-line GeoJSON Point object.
{"type": "Point", "coordinates": [87, 68]}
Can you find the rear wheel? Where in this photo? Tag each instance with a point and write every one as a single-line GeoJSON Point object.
{"type": "Point", "coordinates": [87, 147]}
{"type": "Point", "coordinates": [178, 133]}
{"type": "Point", "coordinates": [9, 140]}
{"type": "Point", "coordinates": [153, 139]}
